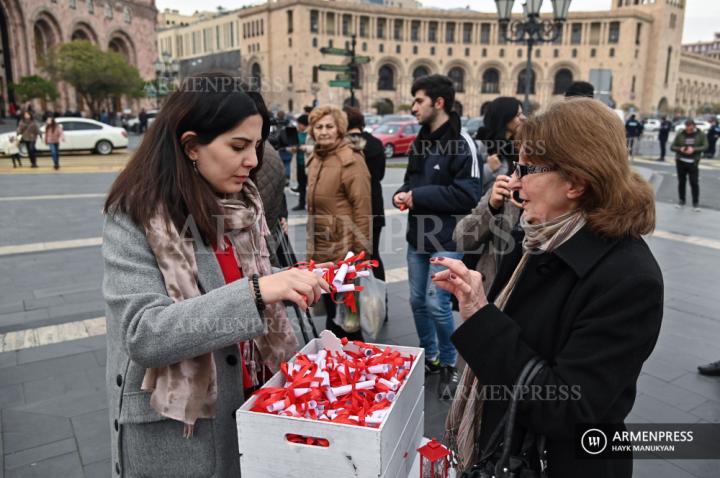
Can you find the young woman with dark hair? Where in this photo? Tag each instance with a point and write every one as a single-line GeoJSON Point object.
{"type": "Point", "coordinates": [194, 310]}
{"type": "Point", "coordinates": [53, 135]}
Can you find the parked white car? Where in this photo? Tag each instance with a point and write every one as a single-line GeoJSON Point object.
{"type": "Point", "coordinates": [82, 134]}
{"type": "Point", "coordinates": [651, 125]}
{"type": "Point", "coordinates": [702, 125]}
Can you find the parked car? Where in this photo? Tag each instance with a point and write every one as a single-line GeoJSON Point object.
{"type": "Point", "coordinates": [372, 122]}
{"type": "Point", "coordinates": [472, 125]}
{"type": "Point", "coordinates": [83, 134]}
{"type": "Point", "coordinates": [133, 124]}
{"type": "Point", "coordinates": [651, 125]}
{"type": "Point", "coordinates": [397, 137]}
{"type": "Point", "coordinates": [397, 118]}
{"type": "Point", "coordinates": [702, 125]}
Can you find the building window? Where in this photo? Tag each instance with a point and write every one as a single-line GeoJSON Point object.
{"type": "Point", "coordinates": [290, 75]}
{"type": "Point", "coordinates": [432, 32]}
{"type": "Point", "coordinates": [614, 32]}
{"type": "Point", "coordinates": [519, 52]}
{"type": "Point", "coordinates": [432, 51]}
{"type": "Point", "coordinates": [364, 26]}
{"type": "Point", "coordinates": [381, 25]}
{"type": "Point", "coordinates": [289, 21]}
{"type": "Point", "coordinates": [91, 6]}
{"type": "Point", "coordinates": [612, 52]}
{"type": "Point", "coordinates": [386, 78]}
{"type": "Point", "coordinates": [632, 87]}
{"type": "Point", "coordinates": [289, 42]}
{"type": "Point", "coordinates": [347, 25]}
{"type": "Point", "coordinates": [217, 36]}
{"type": "Point", "coordinates": [637, 52]}
{"type": "Point", "coordinates": [556, 53]}
{"type": "Point", "coordinates": [381, 48]}
{"type": "Point", "coordinates": [330, 23]}
{"type": "Point", "coordinates": [314, 17]}
{"type": "Point", "coordinates": [502, 33]}
{"type": "Point", "coordinates": [330, 42]}
{"type": "Point", "coordinates": [314, 42]}
{"type": "Point", "coordinates": [593, 52]}
{"type": "Point", "coordinates": [673, 20]}
{"type": "Point", "coordinates": [490, 81]}
{"type": "Point", "coordinates": [127, 17]}
{"type": "Point", "coordinates": [457, 76]}
{"type": "Point", "coordinates": [502, 52]}
{"type": "Point", "coordinates": [397, 49]}
{"type": "Point", "coordinates": [574, 52]}
{"type": "Point", "coordinates": [485, 33]}
{"type": "Point", "coordinates": [667, 64]}
{"type": "Point", "coordinates": [467, 51]}
{"type": "Point", "coordinates": [467, 32]}
{"type": "Point", "coordinates": [398, 30]}
{"type": "Point", "coordinates": [449, 51]}
{"type": "Point", "coordinates": [595, 33]}
{"type": "Point", "coordinates": [419, 72]}
{"type": "Point", "coordinates": [415, 30]}
{"type": "Point", "coordinates": [563, 78]}
{"type": "Point", "coordinates": [315, 74]}
{"type": "Point", "coordinates": [558, 34]}
{"type": "Point", "coordinates": [256, 75]}
{"type": "Point", "coordinates": [576, 33]}
{"type": "Point", "coordinates": [537, 53]}
{"type": "Point", "coordinates": [522, 79]}
{"type": "Point", "coordinates": [364, 46]}
{"type": "Point", "coordinates": [108, 11]}
{"type": "Point", "coordinates": [450, 32]}
{"type": "Point", "coordinates": [638, 33]}
{"type": "Point", "coordinates": [347, 45]}
{"type": "Point", "coordinates": [72, 4]}
{"type": "Point", "coordinates": [484, 52]}
{"type": "Point", "coordinates": [415, 49]}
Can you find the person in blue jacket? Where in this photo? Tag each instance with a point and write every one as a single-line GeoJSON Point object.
{"type": "Point", "coordinates": [442, 184]}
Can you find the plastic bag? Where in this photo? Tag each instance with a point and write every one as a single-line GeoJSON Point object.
{"type": "Point", "coordinates": [371, 309]}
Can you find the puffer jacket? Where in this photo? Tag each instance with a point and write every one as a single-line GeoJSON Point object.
{"type": "Point", "coordinates": [339, 204]}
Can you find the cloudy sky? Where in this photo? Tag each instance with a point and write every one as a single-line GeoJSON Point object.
{"type": "Point", "coordinates": [702, 17]}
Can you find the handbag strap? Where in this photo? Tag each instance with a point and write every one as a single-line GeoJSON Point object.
{"type": "Point", "coordinates": [507, 423]}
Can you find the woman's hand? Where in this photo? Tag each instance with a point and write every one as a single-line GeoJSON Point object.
{"type": "Point", "coordinates": [466, 285]}
{"type": "Point", "coordinates": [295, 285]}
{"type": "Point", "coordinates": [500, 192]}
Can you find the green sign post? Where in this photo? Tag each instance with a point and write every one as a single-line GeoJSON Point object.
{"type": "Point", "coordinates": [348, 77]}
{"type": "Point", "coordinates": [326, 50]}
{"type": "Point", "coordinates": [340, 83]}
{"type": "Point", "coordinates": [334, 67]}
{"type": "Point", "coordinates": [361, 60]}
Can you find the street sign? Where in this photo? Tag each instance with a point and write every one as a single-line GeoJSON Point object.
{"type": "Point", "coordinates": [334, 67]}
{"type": "Point", "coordinates": [342, 76]}
{"type": "Point", "coordinates": [335, 51]}
{"type": "Point", "coordinates": [361, 60]}
{"type": "Point", "coordinates": [340, 83]}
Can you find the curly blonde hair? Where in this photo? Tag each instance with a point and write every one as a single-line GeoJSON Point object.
{"type": "Point", "coordinates": [338, 115]}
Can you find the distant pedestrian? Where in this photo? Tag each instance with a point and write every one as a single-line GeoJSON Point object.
{"type": "Point", "coordinates": [53, 136]}
{"type": "Point", "coordinates": [301, 151]}
{"type": "Point", "coordinates": [633, 130]}
{"type": "Point", "coordinates": [689, 146]}
{"type": "Point", "coordinates": [283, 142]}
{"type": "Point", "coordinates": [28, 132]}
{"type": "Point", "coordinates": [143, 121]}
{"type": "Point", "coordinates": [712, 136]}
{"type": "Point", "coordinates": [663, 133]}
{"type": "Point", "coordinates": [104, 117]}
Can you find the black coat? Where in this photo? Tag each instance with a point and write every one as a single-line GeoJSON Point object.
{"type": "Point", "coordinates": [592, 309]}
{"type": "Point", "coordinates": [375, 159]}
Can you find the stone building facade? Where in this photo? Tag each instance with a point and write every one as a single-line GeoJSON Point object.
{"type": "Point", "coordinates": [31, 27]}
{"type": "Point", "coordinates": [632, 52]}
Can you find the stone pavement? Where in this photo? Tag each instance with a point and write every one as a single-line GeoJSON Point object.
{"type": "Point", "coordinates": [52, 398]}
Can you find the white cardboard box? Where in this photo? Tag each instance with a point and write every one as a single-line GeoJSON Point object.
{"type": "Point", "coordinates": [354, 451]}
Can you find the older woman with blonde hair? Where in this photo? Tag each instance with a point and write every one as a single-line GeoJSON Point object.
{"type": "Point", "coordinates": [338, 199]}
{"type": "Point", "coordinates": [580, 294]}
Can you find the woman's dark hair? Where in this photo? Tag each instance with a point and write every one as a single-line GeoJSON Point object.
{"type": "Point", "coordinates": [436, 86]}
{"type": "Point", "coordinates": [356, 120]}
{"type": "Point", "coordinates": [52, 124]}
{"type": "Point", "coordinates": [498, 114]}
{"type": "Point", "coordinates": [160, 175]}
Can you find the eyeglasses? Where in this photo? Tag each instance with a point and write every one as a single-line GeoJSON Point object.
{"type": "Point", "coordinates": [525, 169]}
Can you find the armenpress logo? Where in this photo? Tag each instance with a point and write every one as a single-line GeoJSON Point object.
{"type": "Point", "coordinates": [594, 441]}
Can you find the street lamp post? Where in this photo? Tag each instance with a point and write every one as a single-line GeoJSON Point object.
{"type": "Point", "coordinates": [166, 70]}
{"type": "Point", "coordinates": [531, 29]}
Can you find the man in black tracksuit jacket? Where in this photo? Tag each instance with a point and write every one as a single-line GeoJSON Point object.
{"type": "Point", "coordinates": [442, 184]}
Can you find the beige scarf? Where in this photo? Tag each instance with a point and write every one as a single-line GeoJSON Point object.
{"type": "Point", "coordinates": [187, 390]}
{"type": "Point", "coordinates": [462, 425]}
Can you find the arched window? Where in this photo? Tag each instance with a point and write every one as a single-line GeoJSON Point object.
{"type": "Point", "coordinates": [256, 74]}
{"type": "Point", "coordinates": [457, 75]}
{"type": "Point", "coordinates": [420, 71]}
{"type": "Point", "coordinates": [521, 82]}
{"type": "Point", "coordinates": [563, 78]}
{"type": "Point", "coordinates": [386, 78]}
{"type": "Point", "coordinates": [491, 81]}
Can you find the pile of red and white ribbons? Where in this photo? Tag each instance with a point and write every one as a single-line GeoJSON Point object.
{"type": "Point", "coordinates": [341, 275]}
{"type": "Point", "coordinates": [354, 386]}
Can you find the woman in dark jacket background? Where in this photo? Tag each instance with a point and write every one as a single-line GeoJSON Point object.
{"type": "Point", "coordinates": [580, 289]}
{"type": "Point", "coordinates": [502, 120]}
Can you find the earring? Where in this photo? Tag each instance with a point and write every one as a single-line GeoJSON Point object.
{"type": "Point", "coordinates": [195, 166]}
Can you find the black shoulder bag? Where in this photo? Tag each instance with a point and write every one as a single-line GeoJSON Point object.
{"type": "Point", "coordinates": [496, 460]}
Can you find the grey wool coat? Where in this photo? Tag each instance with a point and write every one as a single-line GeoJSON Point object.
{"type": "Point", "coordinates": [146, 329]}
